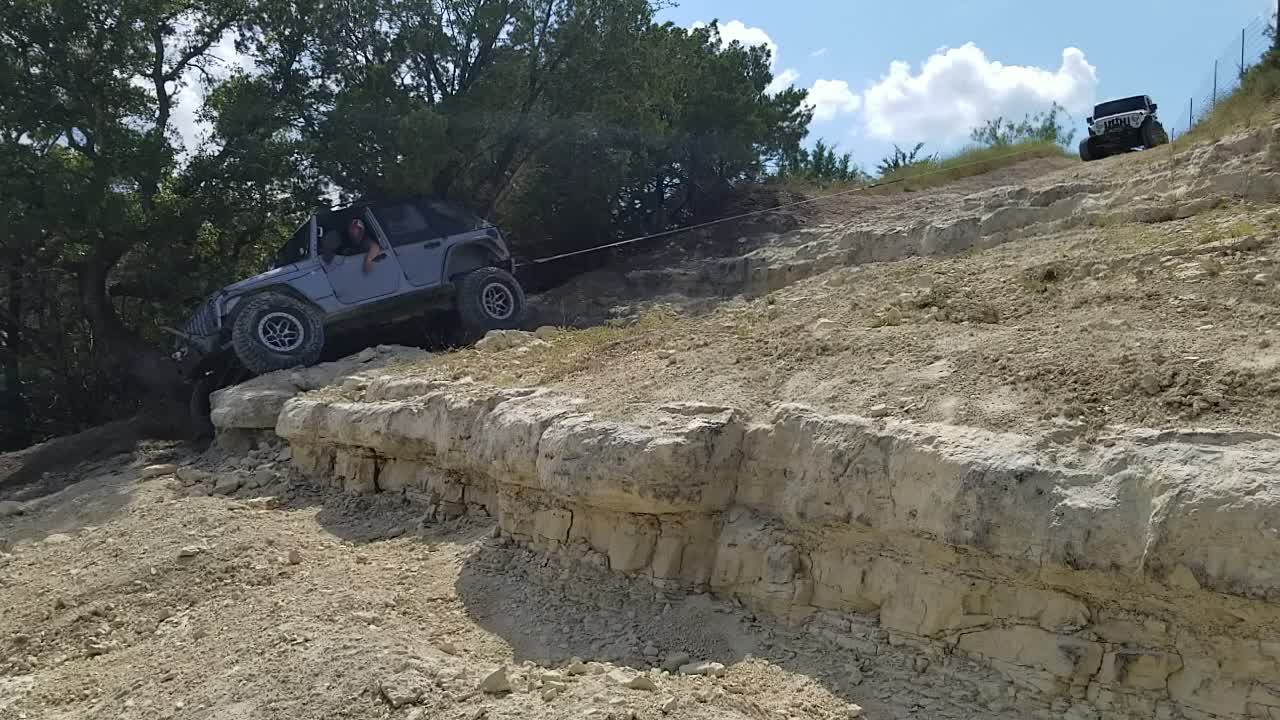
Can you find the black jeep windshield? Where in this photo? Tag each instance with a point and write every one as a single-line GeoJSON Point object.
{"type": "Point", "coordinates": [1115, 107]}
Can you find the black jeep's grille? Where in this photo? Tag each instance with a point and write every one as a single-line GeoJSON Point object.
{"type": "Point", "coordinates": [204, 321]}
{"type": "Point", "coordinates": [1117, 124]}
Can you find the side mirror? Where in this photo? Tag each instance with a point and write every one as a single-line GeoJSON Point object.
{"type": "Point", "coordinates": [1154, 107]}
{"type": "Point", "coordinates": [1089, 120]}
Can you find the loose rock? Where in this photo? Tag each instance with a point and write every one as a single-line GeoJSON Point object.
{"type": "Point", "coordinates": [406, 688]}
{"type": "Point", "coordinates": [155, 471]}
{"type": "Point", "coordinates": [227, 485]}
{"type": "Point", "coordinates": [710, 669]}
{"type": "Point", "coordinates": [496, 682]}
{"type": "Point", "coordinates": [674, 661]}
{"type": "Point", "coordinates": [631, 680]}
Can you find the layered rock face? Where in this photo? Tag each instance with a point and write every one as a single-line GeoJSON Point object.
{"type": "Point", "coordinates": [1178, 182]}
{"type": "Point", "coordinates": [1137, 577]}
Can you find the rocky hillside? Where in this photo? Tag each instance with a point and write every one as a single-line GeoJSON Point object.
{"type": "Point", "coordinates": [1001, 449]}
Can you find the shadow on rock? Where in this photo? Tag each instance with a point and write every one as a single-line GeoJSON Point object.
{"type": "Point", "coordinates": [555, 615]}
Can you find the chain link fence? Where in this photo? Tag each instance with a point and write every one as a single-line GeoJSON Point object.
{"type": "Point", "coordinates": [1241, 53]}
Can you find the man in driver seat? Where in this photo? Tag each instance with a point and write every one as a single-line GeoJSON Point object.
{"type": "Point", "coordinates": [356, 240]}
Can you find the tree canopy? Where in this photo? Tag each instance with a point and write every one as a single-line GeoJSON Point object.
{"type": "Point", "coordinates": [570, 122]}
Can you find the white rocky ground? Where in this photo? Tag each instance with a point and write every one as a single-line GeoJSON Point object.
{"type": "Point", "coordinates": [999, 449]}
{"type": "Point", "coordinates": [232, 590]}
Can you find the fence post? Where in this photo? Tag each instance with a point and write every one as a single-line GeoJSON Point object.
{"type": "Point", "coordinates": [1241, 53]}
{"type": "Point", "coordinates": [1191, 113]}
{"type": "Point", "coordinates": [1214, 102]}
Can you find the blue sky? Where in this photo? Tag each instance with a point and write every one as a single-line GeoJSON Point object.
{"type": "Point", "coordinates": [1005, 57]}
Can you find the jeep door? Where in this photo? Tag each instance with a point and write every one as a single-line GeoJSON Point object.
{"type": "Point", "coordinates": [418, 245]}
{"type": "Point", "coordinates": [351, 284]}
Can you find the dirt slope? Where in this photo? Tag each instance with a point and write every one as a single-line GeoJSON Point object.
{"type": "Point", "coordinates": [130, 597]}
{"type": "Point", "coordinates": [1141, 293]}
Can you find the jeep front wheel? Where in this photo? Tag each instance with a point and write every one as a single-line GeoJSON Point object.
{"type": "Point", "coordinates": [1153, 134]}
{"type": "Point", "coordinates": [1089, 151]}
{"type": "Point", "coordinates": [489, 299]}
{"type": "Point", "coordinates": [275, 332]}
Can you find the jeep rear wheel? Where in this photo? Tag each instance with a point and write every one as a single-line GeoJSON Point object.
{"type": "Point", "coordinates": [489, 299]}
{"type": "Point", "coordinates": [275, 331]}
{"type": "Point", "coordinates": [1153, 134]}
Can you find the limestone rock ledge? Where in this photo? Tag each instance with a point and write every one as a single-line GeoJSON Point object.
{"type": "Point", "coordinates": [1137, 577]}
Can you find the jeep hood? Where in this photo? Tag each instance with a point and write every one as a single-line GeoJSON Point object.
{"type": "Point", "coordinates": [267, 278]}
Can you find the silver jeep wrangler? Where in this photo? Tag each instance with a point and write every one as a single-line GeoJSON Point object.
{"type": "Point", "coordinates": [431, 256]}
{"type": "Point", "coordinates": [1119, 126]}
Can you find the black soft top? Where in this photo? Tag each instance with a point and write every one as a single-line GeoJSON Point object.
{"type": "Point", "coordinates": [1123, 105]}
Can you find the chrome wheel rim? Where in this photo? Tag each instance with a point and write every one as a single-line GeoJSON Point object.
{"type": "Point", "coordinates": [280, 332]}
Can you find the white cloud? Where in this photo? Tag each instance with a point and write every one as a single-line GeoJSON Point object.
{"type": "Point", "coordinates": [782, 81]}
{"type": "Point", "coordinates": [830, 98]}
{"type": "Point", "coordinates": [818, 53]}
{"type": "Point", "coordinates": [189, 98]}
{"type": "Point", "coordinates": [748, 36]}
{"type": "Point", "coordinates": [736, 30]}
{"type": "Point", "coordinates": [960, 88]}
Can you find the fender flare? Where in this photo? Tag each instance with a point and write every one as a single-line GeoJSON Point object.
{"type": "Point", "coordinates": [229, 318]}
{"type": "Point", "coordinates": [473, 255]}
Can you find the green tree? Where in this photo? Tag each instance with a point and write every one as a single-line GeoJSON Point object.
{"type": "Point", "coordinates": [822, 165]}
{"type": "Point", "coordinates": [1046, 127]}
{"type": "Point", "coordinates": [900, 159]}
{"type": "Point", "coordinates": [569, 121]}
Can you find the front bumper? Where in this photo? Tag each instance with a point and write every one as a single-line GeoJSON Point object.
{"type": "Point", "coordinates": [199, 337]}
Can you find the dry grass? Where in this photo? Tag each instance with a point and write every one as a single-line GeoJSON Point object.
{"type": "Point", "coordinates": [570, 353]}
{"type": "Point", "coordinates": [1254, 103]}
{"type": "Point", "coordinates": [968, 163]}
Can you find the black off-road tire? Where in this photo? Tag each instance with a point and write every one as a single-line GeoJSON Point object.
{"type": "Point", "coordinates": [1090, 151]}
{"type": "Point", "coordinates": [1153, 134]}
{"type": "Point", "coordinates": [198, 408]}
{"type": "Point", "coordinates": [489, 299]}
{"type": "Point", "coordinates": [1086, 150]}
{"type": "Point", "coordinates": [257, 335]}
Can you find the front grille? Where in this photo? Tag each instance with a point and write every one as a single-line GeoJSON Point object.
{"type": "Point", "coordinates": [204, 321]}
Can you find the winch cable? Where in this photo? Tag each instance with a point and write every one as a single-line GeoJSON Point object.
{"type": "Point", "coordinates": [766, 211]}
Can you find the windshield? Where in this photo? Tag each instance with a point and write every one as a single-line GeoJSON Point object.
{"type": "Point", "coordinates": [296, 250]}
{"type": "Point", "coordinates": [1115, 107]}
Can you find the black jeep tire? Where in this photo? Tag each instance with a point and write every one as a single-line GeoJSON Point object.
{"type": "Point", "coordinates": [274, 331]}
{"type": "Point", "coordinates": [198, 408]}
{"type": "Point", "coordinates": [489, 299]}
{"type": "Point", "coordinates": [1153, 134]}
{"type": "Point", "coordinates": [1090, 150]}
{"type": "Point", "coordinates": [1087, 152]}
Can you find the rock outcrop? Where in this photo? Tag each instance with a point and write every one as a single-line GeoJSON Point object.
{"type": "Point", "coordinates": [1135, 578]}
{"type": "Point", "coordinates": [1178, 183]}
